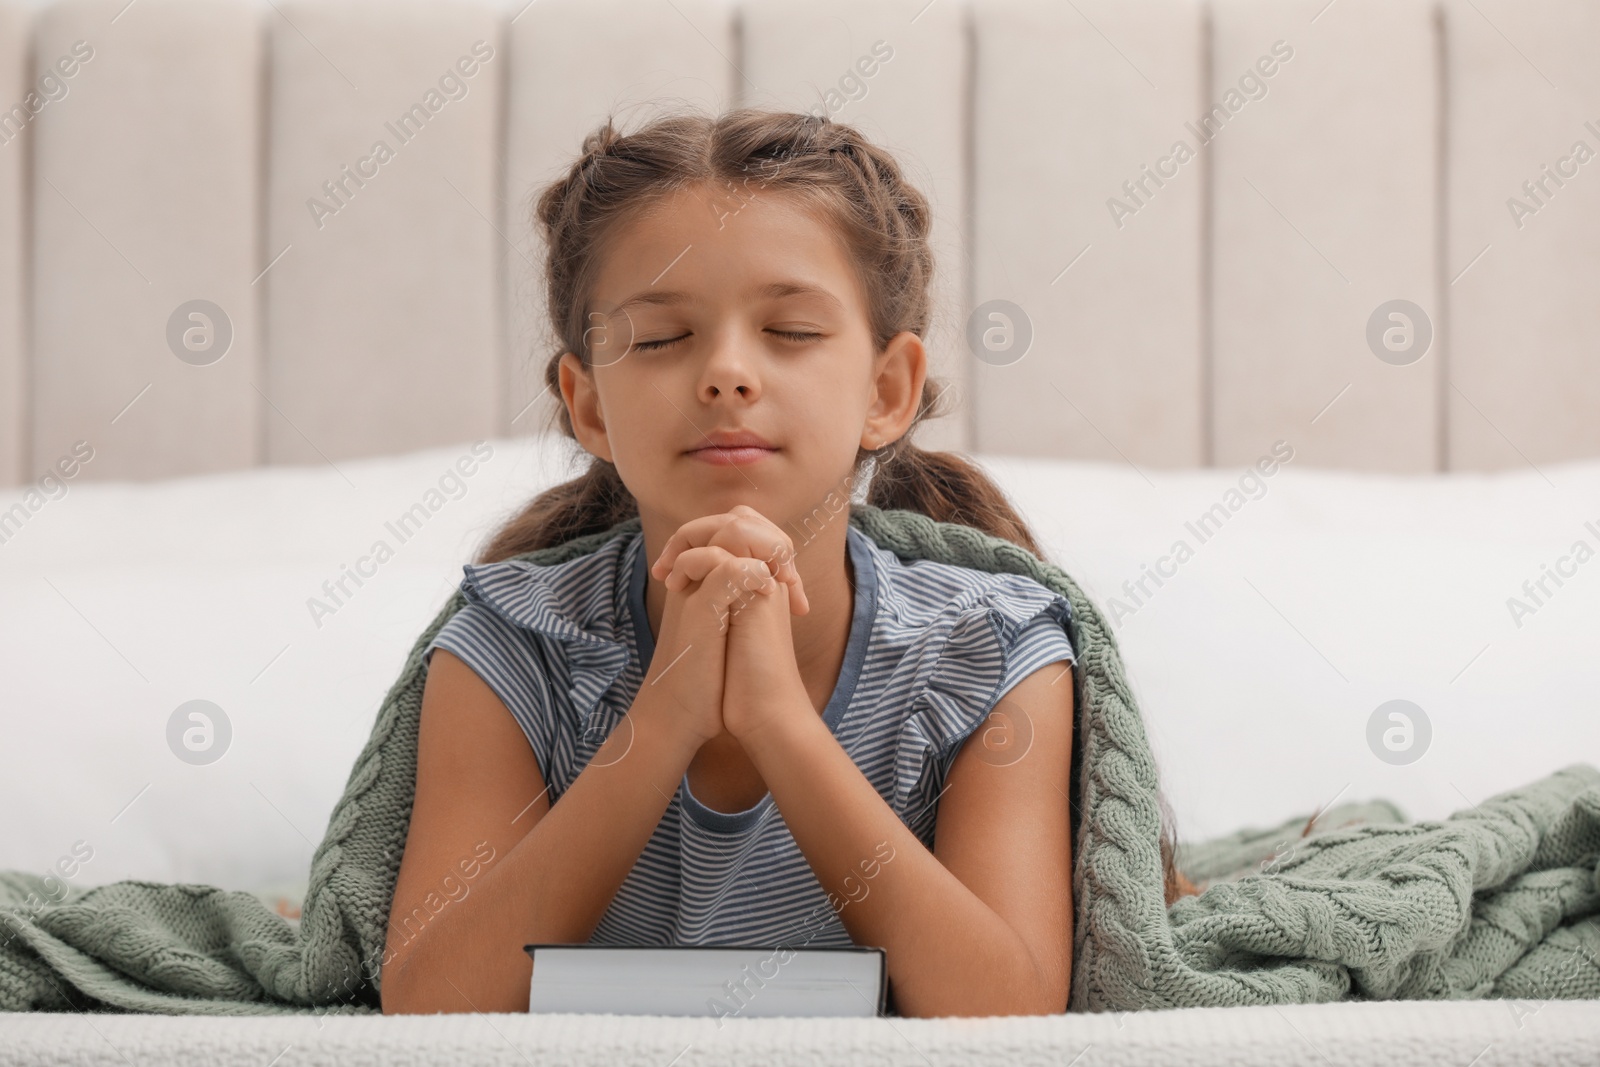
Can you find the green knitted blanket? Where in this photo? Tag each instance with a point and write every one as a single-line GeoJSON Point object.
{"type": "Point", "coordinates": [1502, 900]}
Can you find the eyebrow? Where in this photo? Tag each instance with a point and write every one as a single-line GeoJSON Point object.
{"type": "Point", "coordinates": [772, 290]}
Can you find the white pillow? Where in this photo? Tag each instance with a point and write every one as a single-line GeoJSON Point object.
{"type": "Point", "coordinates": [1322, 595]}
{"type": "Point", "coordinates": [124, 601]}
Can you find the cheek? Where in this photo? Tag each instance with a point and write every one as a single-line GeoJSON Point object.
{"type": "Point", "coordinates": [831, 400]}
{"type": "Point", "coordinates": [638, 418]}
{"type": "Point", "coordinates": [825, 430]}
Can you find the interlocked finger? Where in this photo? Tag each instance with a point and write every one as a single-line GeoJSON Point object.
{"type": "Point", "coordinates": [741, 531]}
{"type": "Point", "coordinates": [692, 565]}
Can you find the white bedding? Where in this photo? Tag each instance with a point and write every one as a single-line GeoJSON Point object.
{"type": "Point", "coordinates": [1383, 1034]}
{"type": "Point", "coordinates": [1258, 664]}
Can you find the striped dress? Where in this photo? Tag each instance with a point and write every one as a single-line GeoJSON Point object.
{"type": "Point", "coordinates": [932, 647]}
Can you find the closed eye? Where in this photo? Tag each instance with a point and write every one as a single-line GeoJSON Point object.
{"type": "Point", "coordinates": [651, 346]}
{"type": "Point", "coordinates": [791, 335]}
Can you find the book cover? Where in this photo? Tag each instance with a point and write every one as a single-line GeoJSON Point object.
{"type": "Point", "coordinates": [721, 981]}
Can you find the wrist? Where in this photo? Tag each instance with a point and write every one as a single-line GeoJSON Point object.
{"type": "Point", "coordinates": [781, 726]}
{"type": "Point", "coordinates": [668, 726]}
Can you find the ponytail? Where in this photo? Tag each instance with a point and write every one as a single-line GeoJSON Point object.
{"type": "Point", "coordinates": [593, 502]}
{"type": "Point", "coordinates": [946, 488]}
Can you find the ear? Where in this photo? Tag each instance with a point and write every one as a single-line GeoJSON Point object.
{"type": "Point", "coordinates": [578, 392]}
{"type": "Point", "coordinates": [898, 376]}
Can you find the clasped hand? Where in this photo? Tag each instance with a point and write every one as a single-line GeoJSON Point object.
{"type": "Point", "coordinates": [725, 653]}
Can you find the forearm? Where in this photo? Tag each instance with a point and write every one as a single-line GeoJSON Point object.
{"type": "Point", "coordinates": [949, 953]}
{"type": "Point", "coordinates": [558, 880]}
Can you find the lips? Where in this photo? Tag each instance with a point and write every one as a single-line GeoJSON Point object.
{"type": "Point", "coordinates": [733, 447]}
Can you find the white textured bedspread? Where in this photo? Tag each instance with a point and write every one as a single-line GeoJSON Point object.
{"type": "Point", "coordinates": [1386, 1033]}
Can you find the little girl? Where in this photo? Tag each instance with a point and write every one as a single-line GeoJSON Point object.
{"type": "Point", "coordinates": [744, 722]}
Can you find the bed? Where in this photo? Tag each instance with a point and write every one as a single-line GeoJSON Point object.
{"type": "Point", "coordinates": [198, 524]}
{"type": "Point", "coordinates": [1391, 1034]}
{"type": "Point", "coordinates": [153, 594]}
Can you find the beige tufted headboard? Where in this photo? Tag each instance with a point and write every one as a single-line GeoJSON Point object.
{"type": "Point", "coordinates": [1182, 306]}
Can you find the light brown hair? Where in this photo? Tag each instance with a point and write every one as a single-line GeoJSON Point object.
{"type": "Point", "coordinates": [859, 189]}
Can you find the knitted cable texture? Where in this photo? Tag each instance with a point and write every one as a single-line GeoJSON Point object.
{"type": "Point", "coordinates": [1502, 900]}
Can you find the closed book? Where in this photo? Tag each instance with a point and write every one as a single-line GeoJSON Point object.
{"type": "Point", "coordinates": [722, 981]}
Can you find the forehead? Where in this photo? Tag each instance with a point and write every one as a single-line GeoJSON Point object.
{"type": "Point", "coordinates": [707, 244]}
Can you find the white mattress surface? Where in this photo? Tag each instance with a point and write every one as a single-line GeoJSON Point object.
{"type": "Point", "coordinates": [1382, 1034]}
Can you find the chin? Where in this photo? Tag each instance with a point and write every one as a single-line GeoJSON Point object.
{"type": "Point", "coordinates": [694, 501]}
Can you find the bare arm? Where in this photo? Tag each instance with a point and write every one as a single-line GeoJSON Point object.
{"type": "Point", "coordinates": [982, 925]}
{"type": "Point", "coordinates": [554, 870]}
{"type": "Point", "coordinates": [558, 866]}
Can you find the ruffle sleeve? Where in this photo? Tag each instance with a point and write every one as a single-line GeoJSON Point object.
{"type": "Point", "coordinates": [507, 659]}
{"type": "Point", "coordinates": [549, 671]}
{"type": "Point", "coordinates": [972, 656]}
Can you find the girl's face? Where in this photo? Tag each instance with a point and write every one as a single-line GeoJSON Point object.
{"type": "Point", "coordinates": [716, 315]}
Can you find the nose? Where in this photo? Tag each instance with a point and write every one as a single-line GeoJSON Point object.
{"type": "Point", "coordinates": [729, 371]}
